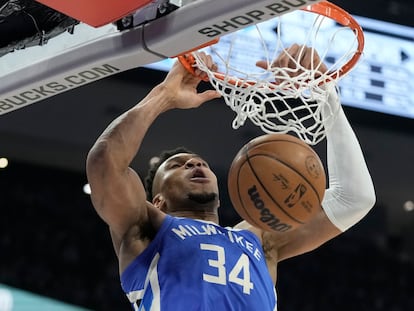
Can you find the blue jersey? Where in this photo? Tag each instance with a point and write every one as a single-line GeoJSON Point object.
{"type": "Point", "coordinates": [196, 265]}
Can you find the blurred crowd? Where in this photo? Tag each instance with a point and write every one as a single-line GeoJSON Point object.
{"type": "Point", "coordinates": [53, 243]}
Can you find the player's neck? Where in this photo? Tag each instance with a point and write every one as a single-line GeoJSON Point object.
{"type": "Point", "coordinates": [201, 215]}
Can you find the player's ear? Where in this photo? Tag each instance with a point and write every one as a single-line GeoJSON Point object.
{"type": "Point", "coordinates": [158, 201]}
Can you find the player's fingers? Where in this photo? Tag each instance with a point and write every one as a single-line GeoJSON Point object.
{"type": "Point", "coordinates": [201, 74]}
{"type": "Point", "coordinates": [305, 58]}
{"type": "Point", "coordinates": [207, 60]}
{"type": "Point", "coordinates": [284, 60]}
{"type": "Point", "coordinates": [210, 94]}
{"type": "Point", "coordinates": [207, 96]}
{"type": "Point", "coordinates": [262, 64]}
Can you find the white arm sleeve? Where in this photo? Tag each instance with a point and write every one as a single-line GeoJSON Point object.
{"type": "Point", "coordinates": [351, 193]}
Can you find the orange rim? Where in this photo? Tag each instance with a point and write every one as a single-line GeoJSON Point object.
{"type": "Point", "coordinates": [341, 16]}
{"type": "Point", "coordinates": [188, 60]}
{"type": "Point", "coordinates": [323, 8]}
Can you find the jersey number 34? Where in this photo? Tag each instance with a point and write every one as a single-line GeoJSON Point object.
{"type": "Point", "coordinates": [239, 274]}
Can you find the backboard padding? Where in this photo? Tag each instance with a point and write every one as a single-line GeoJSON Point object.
{"type": "Point", "coordinates": [95, 13]}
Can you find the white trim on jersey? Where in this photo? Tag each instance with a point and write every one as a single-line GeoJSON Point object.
{"type": "Point", "coordinates": [151, 283]}
{"type": "Point", "coordinates": [135, 295]}
{"type": "Point", "coordinates": [274, 291]}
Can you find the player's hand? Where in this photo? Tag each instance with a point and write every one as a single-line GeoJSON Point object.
{"type": "Point", "coordinates": [181, 86]}
{"type": "Point", "coordinates": [297, 55]}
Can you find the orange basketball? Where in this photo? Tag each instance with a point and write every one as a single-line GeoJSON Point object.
{"type": "Point", "coordinates": [277, 182]}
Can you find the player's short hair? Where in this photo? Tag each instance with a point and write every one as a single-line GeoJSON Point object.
{"type": "Point", "coordinates": [154, 165]}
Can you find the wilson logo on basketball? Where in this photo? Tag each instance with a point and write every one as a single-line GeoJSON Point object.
{"type": "Point", "coordinates": [266, 216]}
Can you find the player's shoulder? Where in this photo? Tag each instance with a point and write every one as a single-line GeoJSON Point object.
{"type": "Point", "coordinates": [272, 242]}
{"type": "Point", "coordinates": [244, 225]}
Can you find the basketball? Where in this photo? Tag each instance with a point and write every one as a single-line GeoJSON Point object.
{"type": "Point", "coordinates": [276, 182]}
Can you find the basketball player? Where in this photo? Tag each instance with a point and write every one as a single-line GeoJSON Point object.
{"type": "Point", "coordinates": [173, 255]}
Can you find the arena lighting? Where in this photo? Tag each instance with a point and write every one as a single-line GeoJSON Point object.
{"type": "Point", "coordinates": [408, 206]}
{"type": "Point", "coordinates": [87, 189]}
{"type": "Point", "coordinates": [4, 162]}
{"type": "Point", "coordinates": [154, 160]}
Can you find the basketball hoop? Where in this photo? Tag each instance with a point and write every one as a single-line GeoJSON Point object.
{"type": "Point", "coordinates": [282, 99]}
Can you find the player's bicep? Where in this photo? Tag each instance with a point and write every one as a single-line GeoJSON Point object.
{"type": "Point", "coordinates": [243, 225]}
{"type": "Point", "coordinates": [118, 197]}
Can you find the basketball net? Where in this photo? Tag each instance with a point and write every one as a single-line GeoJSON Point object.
{"type": "Point", "coordinates": [285, 99]}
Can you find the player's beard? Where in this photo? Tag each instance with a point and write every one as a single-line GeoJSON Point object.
{"type": "Point", "coordinates": [202, 198]}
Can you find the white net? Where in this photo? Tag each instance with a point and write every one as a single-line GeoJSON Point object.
{"type": "Point", "coordinates": [281, 99]}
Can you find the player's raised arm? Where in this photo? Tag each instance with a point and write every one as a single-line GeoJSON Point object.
{"type": "Point", "coordinates": [350, 194]}
{"type": "Point", "coordinates": [116, 190]}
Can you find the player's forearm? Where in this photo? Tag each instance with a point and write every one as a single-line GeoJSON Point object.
{"type": "Point", "coordinates": [351, 192]}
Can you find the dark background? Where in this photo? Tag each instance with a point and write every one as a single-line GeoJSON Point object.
{"type": "Point", "coordinates": [53, 243]}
